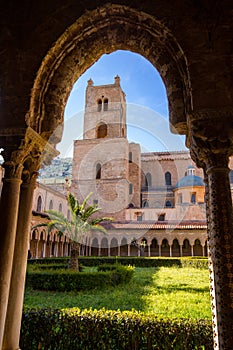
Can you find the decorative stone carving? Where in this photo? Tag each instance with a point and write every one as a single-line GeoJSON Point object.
{"type": "Point", "coordinates": [212, 154]}
{"type": "Point", "coordinates": [27, 157]}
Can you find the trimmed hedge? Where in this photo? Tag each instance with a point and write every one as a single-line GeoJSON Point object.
{"type": "Point", "coordinates": [199, 262]}
{"type": "Point", "coordinates": [68, 280]}
{"type": "Point", "coordinates": [71, 329]}
{"type": "Point", "coordinates": [61, 260]}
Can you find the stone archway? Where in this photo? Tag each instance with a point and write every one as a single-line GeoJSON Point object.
{"type": "Point", "coordinates": [112, 27]}
{"type": "Point", "coordinates": [105, 30]}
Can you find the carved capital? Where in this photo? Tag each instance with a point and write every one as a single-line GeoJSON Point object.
{"type": "Point", "coordinates": [12, 170]}
{"type": "Point", "coordinates": [210, 141]}
{"type": "Point", "coordinates": [28, 155]}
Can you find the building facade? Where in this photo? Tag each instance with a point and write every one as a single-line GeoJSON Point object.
{"type": "Point", "coordinates": [155, 199]}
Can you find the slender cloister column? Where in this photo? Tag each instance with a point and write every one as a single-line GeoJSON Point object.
{"type": "Point", "coordinates": [181, 250]}
{"type": "Point", "coordinates": [15, 304]}
{"type": "Point", "coordinates": [213, 157]}
{"type": "Point", "coordinates": [203, 250]}
{"type": "Point", "coordinates": [149, 250]}
{"type": "Point", "coordinates": [128, 245]}
{"type": "Point", "coordinates": [37, 247]}
{"type": "Point", "coordinates": [44, 250]}
{"type": "Point", "coordinates": [9, 202]}
{"type": "Point", "coordinates": [192, 250]}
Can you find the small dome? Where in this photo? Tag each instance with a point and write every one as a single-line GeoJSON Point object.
{"type": "Point", "coordinates": [190, 181]}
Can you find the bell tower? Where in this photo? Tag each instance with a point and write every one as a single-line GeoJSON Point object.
{"type": "Point", "coordinates": [105, 111]}
{"type": "Point", "coordinates": [101, 162]}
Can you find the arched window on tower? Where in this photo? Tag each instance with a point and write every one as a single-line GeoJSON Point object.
{"type": "Point", "coordinates": [39, 204]}
{"type": "Point", "coordinates": [130, 157]}
{"type": "Point", "coordinates": [168, 179]}
{"type": "Point", "coordinates": [148, 180]}
{"type": "Point", "coordinates": [130, 188]}
{"type": "Point", "coordinates": [99, 103]}
{"type": "Point", "coordinates": [101, 131]}
{"type": "Point", "coordinates": [51, 205]}
{"type": "Point", "coordinates": [98, 171]}
{"type": "Point", "coordinates": [60, 208]}
{"type": "Point", "coordinates": [105, 104]}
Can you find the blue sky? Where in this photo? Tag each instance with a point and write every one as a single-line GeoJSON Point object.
{"type": "Point", "coordinates": [147, 107]}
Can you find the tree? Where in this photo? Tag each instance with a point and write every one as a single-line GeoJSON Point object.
{"type": "Point", "coordinates": [75, 227]}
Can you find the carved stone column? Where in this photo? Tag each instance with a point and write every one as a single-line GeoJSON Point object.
{"type": "Point", "coordinates": [16, 296]}
{"type": "Point", "coordinates": [213, 156]}
{"type": "Point", "coordinates": [8, 217]}
{"type": "Point", "coordinates": [15, 214]}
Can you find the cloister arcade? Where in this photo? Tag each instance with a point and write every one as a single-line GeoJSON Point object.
{"type": "Point", "coordinates": [43, 245]}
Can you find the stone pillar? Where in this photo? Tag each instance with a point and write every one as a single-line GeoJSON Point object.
{"type": "Point", "coordinates": [44, 250]}
{"type": "Point", "coordinates": [9, 202]}
{"type": "Point", "coordinates": [16, 296]}
{"type": "Point", "coordinates": [149, 250]}
{"type": "Point", "coordinates": [221, 254]}
{"type": "Point", "coordinates": [170, 250]}
{"type": "Point", "coordinates": [128, 249]}
{"type": "Point", "coordinates": [37, 244]}
{"type": "Point", "coordinates": [118, 250]}
{"type": "Point", "coordinates": [213, 157]}
{"type": "Point", "coordinates": [191, 249]}
{"type": "Point", "coordinates": [181, 250]}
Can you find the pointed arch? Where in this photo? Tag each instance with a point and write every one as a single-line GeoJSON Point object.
{"type": "Point", "coordinates": [98, 171]}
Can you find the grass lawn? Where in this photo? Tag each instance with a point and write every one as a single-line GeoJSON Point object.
{"type": "Point", "coordinates": [165, 291]}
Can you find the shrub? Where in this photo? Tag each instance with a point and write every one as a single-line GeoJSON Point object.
{"type": "Point", "coordinates": [110, 330]}
{"type": "Point", "coordinates": [61, 260]}
{"type": "Point", "coordinates": [200, 262]}
{"type": "Point", "coordinates": [67, 280]}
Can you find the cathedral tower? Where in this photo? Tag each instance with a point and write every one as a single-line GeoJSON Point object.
{"type": "Point", "coordinates": [101, 162]}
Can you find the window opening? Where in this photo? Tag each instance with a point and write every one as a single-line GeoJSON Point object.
{"type": "Point", "coordinates": [98, 171]}
{"type": "Point", "coordinates": [39, 204]}
{"type": "Point", "coordinates": [168, 179]}
{"type": "Point", "coordinates": [105, 104]}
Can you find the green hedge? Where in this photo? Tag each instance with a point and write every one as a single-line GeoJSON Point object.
{"type": "Point", "coordinates": [200, 262]}
{"type": "Point", "coordinates": [71, 329]}
{"type": "Point", "coordinates": [62, 260]}
{"type": "Point", "coordinates": [67, 280]}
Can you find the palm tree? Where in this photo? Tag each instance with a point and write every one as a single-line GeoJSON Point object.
{"type": "Point", "coordinates": [77, 226]}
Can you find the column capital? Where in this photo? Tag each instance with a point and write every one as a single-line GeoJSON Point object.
{"type": "Point", "coordinates": [210, 142]}
{"type": "Point", "coordinates": [24, 150]}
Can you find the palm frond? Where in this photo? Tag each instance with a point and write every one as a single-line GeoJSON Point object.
{"type": "Point", "coordinates": [83, 205]}
{"type": "Point", "coordinates": [72, 201]}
